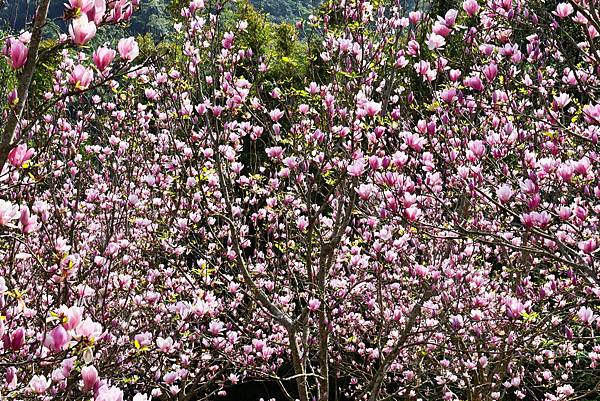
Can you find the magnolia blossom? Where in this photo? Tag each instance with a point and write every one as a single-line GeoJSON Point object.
{"type": "Point", "coordinates": [39, 384]}
{"type": "Point", "coordinates": [8, 212]}
{"type": "Point", "coordinates": [89, 329]}
{"type": "Point", "coordinates": [183, 238]}
{"type": "Point", "coordinates": [435, 41]}
{"type": "Point", "coordinates": [314, 304]}
{"type": "Point", "coordinates": [356, 168]}
{"type": "Point", "coordinates": [81, 77]}
{"type": "Point", "coordinates": [81, 5]}
{"type": "Point", "coordinates": [102, 57]}
{"type": "Point", "coordinates": [89, 374]}
{"type": "Point", "coordinates": [371, 108]}
{"type": "Point", "coordinates": [16, 52]}
{"type": "Point", "coordinates": [589, 246]}
{"type": "Point", "coordinates": [504, 193]}
{"type": "Point", "coordinates": [70, 317]}
{"type": "Point", "coordinates": [97, 12]}
{"type": "Point", "coordinates": [471, 7]}
{"type": "Point", "coordinates": [27, 221]}
{"type": "Point", "coordinates": [109, 393]}
{"type": "Point", "coordinates": [57, 338]}
{"type": "Point", "coordinates": [20, 155]}
{"type": "Point", "coordinates": [82, 30]}
{"type": "Point", "coordinates": [591, 113]}
{"type": "Point", "coordinates": [586, 315]}
{"type": "Point", "coordinates": [563, 10]}
{"type": "Point", "coordinates": [128, 48]}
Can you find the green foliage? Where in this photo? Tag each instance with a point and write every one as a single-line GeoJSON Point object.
{"type": "Point", "coordinates": [153, 18]}
{"type": "Point", "coordinates": [286, 10]}
{"type": "Point", "coordinates": [275, 44]}
{"type": "Point", "coordinates": [49, 59]}
{"type": "Point", "coordinates": [258, 33]}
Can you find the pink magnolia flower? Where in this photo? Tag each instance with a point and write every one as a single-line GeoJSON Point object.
{"type": "Point", "coordinates": [586, 315]}
{"type": "Point", "coordinates": [227, 41]}
{"type": "Point", "coordinates": [412, 213]}
{"type": "Point", "coordinates": [563, 10]}
{"type": "Point", "coordinates": [82, 5]}
{"type": "Point", "coordinates": [588, 246]}
{"type": "Point", "coordinates": [302, 223]}
{"type": "Point", "coordinates": [81, 77]}
{"type": "Point", "coordinates": [593, 32]}
{"type": "Point", "coordinates": [456, 322]}
{"type": "Point", "coordinates": [413, 48]}
{"type": "Point", "coordinates": [490, 71]}
{"type": "Point", "coordinates": [441, 29]}
{"type": "Point", "coordinates": [313, 305]}
{"type": "Point", "coordinates": [448, 95]}
{"type": "Point", "coordinates": [435, 41]}
{"type": "Point", "coordinates": [199, 5]}
{"type": "Point", "coordinates": [471, 7]}
{"type": "Point", "coordinates": [165, 344]}
{"type": "Point", "coordinates": [39, 384]}
{"type": "Point", "coordinates": [17, 53]}
{"type": "Point", "coordinates": [89, 329]}
{"type": "Point", "coordinates": [422, 67]}
{"type": "Point", "coordinates": [275, 115]}
{"type": "Point", "coordinates": [454, 75]}
{"type": "Point", "coordinates": [71, 316]}
{"type": "Point", "coordinates": [89, 374]}
{"type": "Point", "coordinates": [504, 193]}
{"type": "Point", "coordinates": [564, 213]}
{"type": "Point", "coordinates": [82, 30]}
{"type": "Point", "coordinates": [170, 377]}
{"type": "Point", "coordinates": [477, 147]}
{"type": "Point", "coordinates": [356, 168]}
{"type": "Point", "coordinates": [57, 338]}
{"type": "Point", "coordinates": [97, 12]}
{"type": "Point", "coordinates": [274, 152]}
{"type": "Point", "coordinates": [414, 141]}
{"type": "Point", "coordinates": [215, 327]}
{"type": "Point", "coordinates": [16, 339]}
{"type": "Point", "coordinates": [11, 377]}
{"type": "Point", "coordinates": [20, 155]}
{"type": "Point", "coordinates": [102, 57]}
{"type": "Point", "coordinates": [28, 222]}
{"type": "Point", "coordinates": [106, 393]}
{"type": "Point", "coordinates": [121, 10]}
{"type": "Point", "coordinates": [313, 88]}
{"type": "Point", "coordinates": [128, 48]}
{"type": "Point", "coordinates": [450, 17]}
{"type": "Point", "coordinates": [474, 82]}
{"type": "Point", "coordinates": [566, 390]}
{"type": "Point", "coordinates": [371, 108]}
{"type": "Point", "coordinates": [8, 212]}
{"type": "Point", "coordinates": [562, 100]}
{"type": "Point", "coordinates": [364, 191]}
{"type": "Point", "coordinates": [591, 113]}
{"type": "Point", "coordinates": [414, 17]}
{"type": "Point", "coordinates": [514, 308]}
{"type": "Point", "coordinates": [13, 97]}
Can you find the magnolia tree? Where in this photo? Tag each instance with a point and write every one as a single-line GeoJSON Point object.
{"type": "Point", "coordinates": [416, 220]}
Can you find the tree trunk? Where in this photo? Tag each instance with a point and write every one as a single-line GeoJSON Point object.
{"type": "Point", "coordinates": [24, 82]}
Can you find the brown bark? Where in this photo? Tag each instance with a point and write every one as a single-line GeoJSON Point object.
{"type": "Point", "coordinates": [24, 81]}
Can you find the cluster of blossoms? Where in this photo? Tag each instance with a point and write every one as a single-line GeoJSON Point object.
{"type": "Point", "coordinates": [418, 217]}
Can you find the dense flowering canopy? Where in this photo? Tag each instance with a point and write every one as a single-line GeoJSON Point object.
{"type": "Point", "coordinates": [417, 218]}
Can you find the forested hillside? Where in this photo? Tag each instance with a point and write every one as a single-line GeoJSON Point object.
{"type": "Point", "coordinates": [154, 15]}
